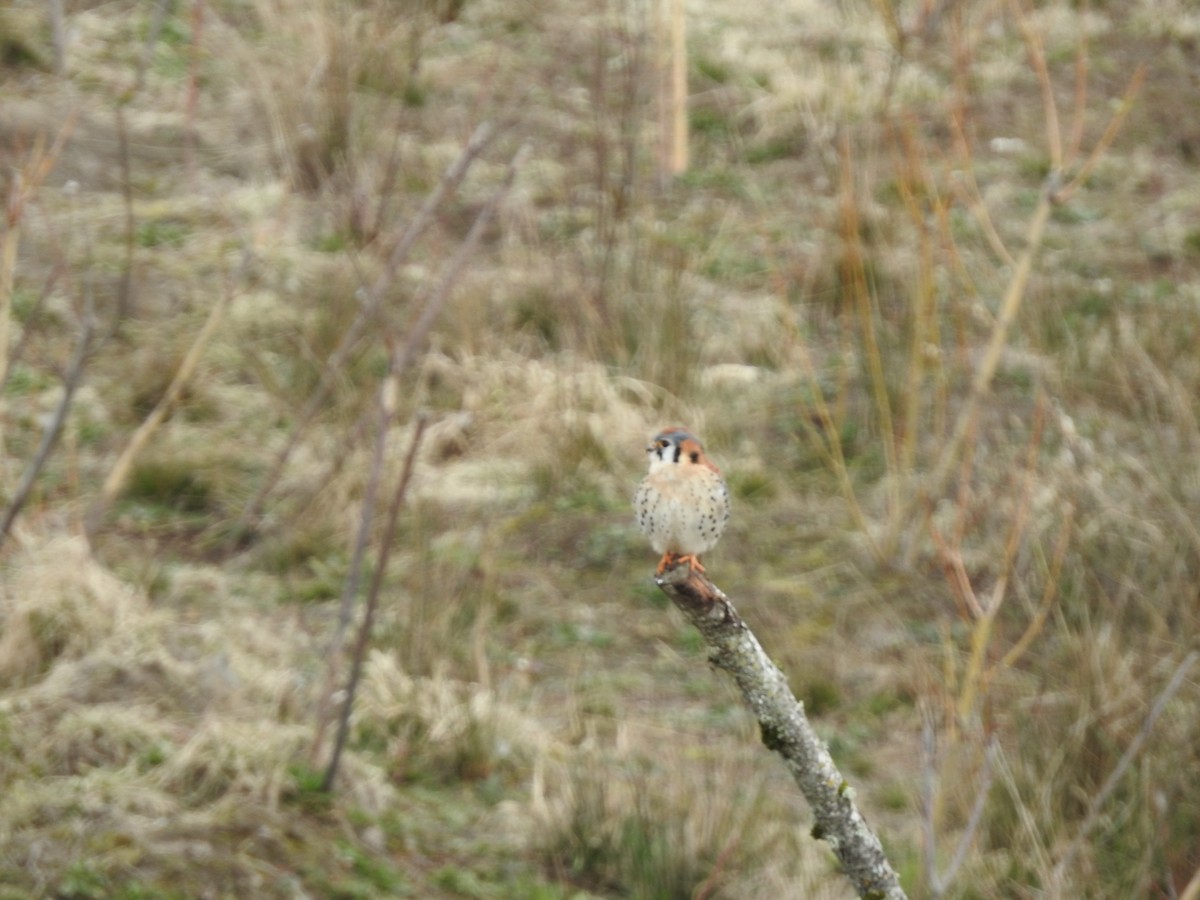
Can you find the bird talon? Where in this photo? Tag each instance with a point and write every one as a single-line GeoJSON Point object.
{"type": "Point", "coordinates": [671, 560]}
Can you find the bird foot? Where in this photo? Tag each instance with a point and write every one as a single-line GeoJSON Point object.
{"type": "Point", "coordinates": [670, 560]}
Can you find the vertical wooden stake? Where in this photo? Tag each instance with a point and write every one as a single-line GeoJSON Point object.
{"type": "Point", "coordinates": [679, 122]}
{"type": "Point", "coordinates": [671, 54]}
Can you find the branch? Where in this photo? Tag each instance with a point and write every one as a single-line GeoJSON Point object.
{"type": "Point", "coordinates": [401, 358]}
{"type": "Point", "coordinates": [1092, 816]}
{"type": "Point", "coordinates": [22, 187]}
{"type": "Point", "coordinates": [388, 397]}
{"type": "Point", "coordinates": [786, 730]}
{"type": "Point", "coordinates": [50, 436]}
{"type": "Point", "coordinates": [1013, 296]}
{"type": "Point", "coordinates": [419, 329]}
{"type": "Point", "coordinates": [368, 315]}
{"type": "Point", "coordinates": [119, 475]}
{"type": "Point", "coordinates": [939, 883]}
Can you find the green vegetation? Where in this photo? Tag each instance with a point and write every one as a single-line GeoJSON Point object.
{"type": "Point", "coordinates": [964, 501]}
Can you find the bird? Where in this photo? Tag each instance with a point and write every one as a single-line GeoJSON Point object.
{"type": "Point", "coordinates": [682, 504]}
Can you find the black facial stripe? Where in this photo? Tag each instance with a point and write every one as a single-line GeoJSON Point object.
{"type": "Point", "coordinates": [678, 451]}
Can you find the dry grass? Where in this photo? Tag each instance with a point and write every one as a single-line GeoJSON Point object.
{"type": "Point", "coordinates": [621, 823]}
{"type": "Point", "coordinates": [58, 604]}
{"type": "Point", "coordinates": [965, 503]}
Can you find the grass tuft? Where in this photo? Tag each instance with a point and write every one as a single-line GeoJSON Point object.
{"type": "Point", "coordinates": [58, 603]}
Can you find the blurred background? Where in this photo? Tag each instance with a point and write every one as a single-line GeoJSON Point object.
{"type": "Point", "coordinates": [927, 286]}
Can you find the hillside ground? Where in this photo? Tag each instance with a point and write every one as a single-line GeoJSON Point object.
{"type": "Point", "coordinates": [965, 501]}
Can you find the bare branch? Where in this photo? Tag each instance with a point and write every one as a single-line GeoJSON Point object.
{"type": "Point", "coordinates": [388, 399]}
{"type": "Point", "coordinates": [940, 883]}
{"type": "Point", "coordinates": [22, 187]}
{"type": "Point", "coordinates": [32, 320]}
{"type": "Point", "coordinates": [1009, 306]}
{"type": "Point", "coordinates": [50, 436]}
{"type": "Point", "coordinates": [929, 798]}
{"type": "Point", "coordinates": [1109, 135]}
{"type": "Point", "coordinates": [1049, 594]}
{"type": "Point", "coordinates": [367, 315]}
{"type": "Point", "coordinates": [420, 328]}
{"type": "Point", "coordinates": [333, 656]}
{"type": "Point", "coordinates": [1037, 60]}
{"type": "Point", "coordinates": [119, 473]}
{"type": "Point", "coordinates": [786, 730]}
{"type": "Point", "coordinates": [1123, 764]}
{"type": "Point", "coordinates": [402, 358]}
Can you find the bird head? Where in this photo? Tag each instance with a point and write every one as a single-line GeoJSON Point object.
{"type": "Point", "coordinates": [676, 446]}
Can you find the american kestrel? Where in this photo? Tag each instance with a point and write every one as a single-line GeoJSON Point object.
{"type": "Point", "coordinates": [682, 504]}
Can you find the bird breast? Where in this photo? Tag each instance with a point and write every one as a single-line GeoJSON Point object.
{"type": "Point", "coordinates": [682, 508]}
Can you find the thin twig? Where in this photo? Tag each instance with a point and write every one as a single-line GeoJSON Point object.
{"type": "Point", "coordinates": [986, 371]}
{"type": "Point", "coordinates": [915, 174]}
{"type": "Point", "coordinates": [22, 187]}
{"type": "Point", "coordinates": [387, 410]}
{"type": "Point", "coordinates": [955, 573]}
{"type": "Point", "coordinates": [1034, 848]}
{"type": "Point", "coordinates": [940, 883]}
{"type": "Point", "coordinates": [420, 329]}
{"type": "Point", "coordinates": [119, 473]}
{"type": "Point", "coordinates": [401, 359]}
{"type": "Point", "coordinates": [1049, 593]}
{"type": "Point", "coordinates": [32, 319]}
{"type": "Point", "coordinates": [1109, 135]}
{"type": "Point", "coordinates": [125, 290]}
{"type": "Point", "coordinates": [967, 188]}
{"type": "Point", "coordinates": [193, 92]}
{"type": "Point", "coordinates": [1114, 777]}
{"type": "Point", "coordinates": [976, 675]}
{"type": "Point", "coordinates": [388, 399]}
{"type": "Point", "coordinates": [1037, 59]}
{"type": "Point", "coordinates": [367, 315]}
{"type": "Point", "coordinates": [50, 436]}
{"type": "Point", "coordinates": [854, 274]}
{"type": "Point", "coordinates": [929, 798]}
